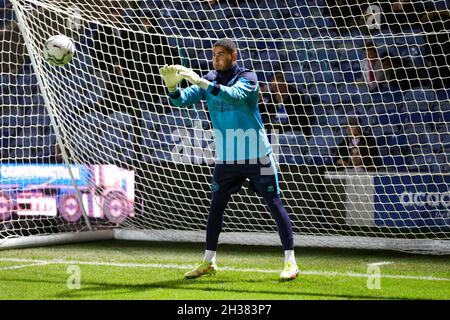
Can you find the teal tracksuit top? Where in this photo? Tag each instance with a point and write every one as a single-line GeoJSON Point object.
{"type": "Point", "coordinates": [232, 101]}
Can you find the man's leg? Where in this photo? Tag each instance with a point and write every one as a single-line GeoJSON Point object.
{"type": "Point", "coordinates": [215, 219]}
{"type": "Point", "coordinates": [264, 180]}
{"type": "Point", "coordinates": [226, 181]}
{"type": "Point", "coordinates": [213, 228]}
{"type": "Point", "coordinates": [284, 225]}
{"type": "Point", "coordinates": [281, 217]}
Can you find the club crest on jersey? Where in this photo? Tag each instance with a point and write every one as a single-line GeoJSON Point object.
{"type": "Point", "coordinates": [214, 187]}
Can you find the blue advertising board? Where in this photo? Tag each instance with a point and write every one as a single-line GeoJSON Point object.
{"type": "Point", "coordinates": [105, 191]}
{"type": "Point", "coordinates": [412, 201]}
{"type": "Point", "coordinates": [24, 175]}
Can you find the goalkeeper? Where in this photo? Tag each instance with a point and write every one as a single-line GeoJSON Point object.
{"type": "Point", "coordinates": [231, 93]}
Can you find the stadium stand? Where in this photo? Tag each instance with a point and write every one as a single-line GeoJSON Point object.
{"type": "Point", "coordinates": [411, 127]}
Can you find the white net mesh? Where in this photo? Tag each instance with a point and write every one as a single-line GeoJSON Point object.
{"type": "Point", "coordinates": [381, 66]}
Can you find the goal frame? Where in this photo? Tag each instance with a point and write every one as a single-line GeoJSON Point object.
{"type": "Point", "coordinates": [429, 246]}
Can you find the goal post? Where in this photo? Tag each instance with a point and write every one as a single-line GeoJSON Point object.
{"type": "Point", "coordinates": [96, 145]}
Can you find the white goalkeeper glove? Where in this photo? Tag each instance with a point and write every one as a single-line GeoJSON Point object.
{"type": "Point", "coordinates": [171, 77]}
{"type": "Point", "coordinates": [192, 77]}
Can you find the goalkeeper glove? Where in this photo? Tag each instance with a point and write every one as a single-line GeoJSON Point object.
{"type": "Point", "coordinates": [171, 77]}
{"type": "Point", "coordinates": [192, 77]}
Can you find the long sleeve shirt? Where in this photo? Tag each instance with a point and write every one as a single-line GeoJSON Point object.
{"type": "Point", "coordinates": [232, 102]}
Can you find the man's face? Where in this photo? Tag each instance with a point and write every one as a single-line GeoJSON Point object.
{"type": "Point", "coordinates": [223, 59]}
{"type": "Point", "coordinates": [371, 53]}
{"type": "Point", "coordinates": [354, 131]}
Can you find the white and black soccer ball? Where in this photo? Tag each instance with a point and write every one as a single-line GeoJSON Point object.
{"type": "Point", "coordinates": [59, 50]}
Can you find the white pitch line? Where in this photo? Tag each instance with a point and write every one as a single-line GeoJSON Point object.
{"type": "Point", "coordinates": [24, 266]}
{"type": "Point", "coordinates": [178, 266]}
{"type": "Point", "coordinates": [382, 263]}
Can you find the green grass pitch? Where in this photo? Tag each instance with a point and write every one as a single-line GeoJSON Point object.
{"type": "Point", "coordinates": [153, 270]}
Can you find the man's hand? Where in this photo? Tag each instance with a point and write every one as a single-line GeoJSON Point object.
{"type": "Point", "coordinates": [171, 77]}
{"type": "Point", "coordinates": [192, 77]}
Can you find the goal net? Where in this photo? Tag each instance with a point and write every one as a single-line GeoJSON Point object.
{"type": "Point", "coordinates": [354, 98]}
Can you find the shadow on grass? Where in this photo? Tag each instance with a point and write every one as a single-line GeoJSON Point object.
{"type": "Point", "coordinates": [92, 288]}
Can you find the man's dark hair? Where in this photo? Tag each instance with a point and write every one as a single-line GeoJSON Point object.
{"type": "Point", "coordinates": [369, 45]}
{"type": "Point", "coordinates": [353, 121]}
{"type": "Point", "coordinates": [227, 44]}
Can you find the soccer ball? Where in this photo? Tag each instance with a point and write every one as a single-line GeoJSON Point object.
{"type": "Point", "coordinates": [59, 50]}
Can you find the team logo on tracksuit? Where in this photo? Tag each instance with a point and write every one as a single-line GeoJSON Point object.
{"type": "Point", "coordinates": [214, 186]}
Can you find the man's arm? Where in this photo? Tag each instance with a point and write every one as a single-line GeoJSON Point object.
{"type": "Point", "coordinates": [186, 97]}
{"type": "Point", "coordinates": [372, 151]}
{"type": "Point", "coordinates": [240, 91]}
{"type": "Point", "coordinates": [341, 156]}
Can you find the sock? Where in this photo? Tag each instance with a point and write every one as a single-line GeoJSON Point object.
{"type": "Point", "coordinates": [289, 257]}
{"type": "Point", "coordinates": [210, 256]}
